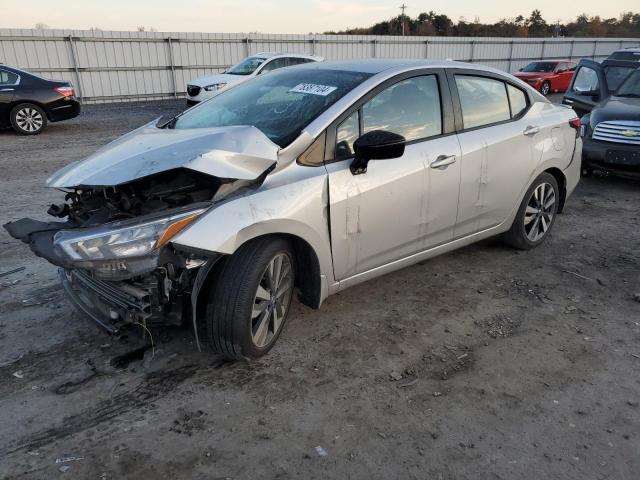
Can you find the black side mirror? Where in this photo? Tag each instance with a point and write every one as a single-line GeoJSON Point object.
{"type": "Point", "coordinates": [376, 145]}
{"type": "Point", "coordinates": [519, 69]}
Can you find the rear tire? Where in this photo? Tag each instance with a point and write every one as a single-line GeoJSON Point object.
{"type": "Point", "coordinates": [545, 88]}
{"type": "Point", "coordinates": [251, 297]}
{"type": "Point", "coordinates": [536, 215]}
{"type": "Point", "coordinates": [28, 119]}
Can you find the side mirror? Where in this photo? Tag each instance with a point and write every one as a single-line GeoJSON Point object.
{"type": "Point", "coordinates": [519, 69]}
{"type": "Point", "coordinates": [376, 145]}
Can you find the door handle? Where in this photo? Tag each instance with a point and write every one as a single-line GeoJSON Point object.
{"type": "Point", "coordinates": [443, 161]}
{"type": "Point", "coordinates": [6, 90]}
{"type": "Point", "coordinates": [531, 130]}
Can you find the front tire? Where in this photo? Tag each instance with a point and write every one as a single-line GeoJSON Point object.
{"type": "Point", "coordinates": [28, 119]}
{"type": "Point", "coordinates": [545, 88]}
{"type": "Point", "coordinates": [536, 215]}
{"type": "Point", "coordinates": [251, 298]}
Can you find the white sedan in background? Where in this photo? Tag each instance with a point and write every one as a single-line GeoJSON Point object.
{"type": "Point", "coordinates": [204, 88]}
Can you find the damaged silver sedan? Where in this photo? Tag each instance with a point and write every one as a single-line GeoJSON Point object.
{"type": "Point", "coordinates": [309, 179]}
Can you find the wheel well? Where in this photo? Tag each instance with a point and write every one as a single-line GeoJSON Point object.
{"type": "Point", "coordinates": [562, 185]}
{"type": "Point", "coordinates": [307, 274]}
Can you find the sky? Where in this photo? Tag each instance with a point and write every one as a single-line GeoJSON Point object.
{"type": "Point", "coordinates": [284, 16]}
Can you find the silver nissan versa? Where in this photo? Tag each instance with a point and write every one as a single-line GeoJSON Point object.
{"type": "Point", "coordinates": [310, 179]}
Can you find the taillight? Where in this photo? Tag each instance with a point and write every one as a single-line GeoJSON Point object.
{"type": "Point", "coordinates": [575, 123]}
{"type": "Point", "coordinates": [65, 91]}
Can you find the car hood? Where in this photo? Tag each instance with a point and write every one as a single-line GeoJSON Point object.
{"type": "Point", "coordinates": [237, 152]}
{"type": "Point", "coordinates": [616, 108]}
{"type": "Point", "coordinates": [219, 78]}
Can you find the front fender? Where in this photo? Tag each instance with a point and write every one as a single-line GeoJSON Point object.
{"type": "Point", "coordinates": [280, 206]}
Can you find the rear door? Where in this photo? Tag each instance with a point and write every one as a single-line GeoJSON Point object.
{"type": "Point", "coordinates": [8, 84]}
{"type": "Point", "coordinates": [501, 140]}
{"type": "Point", "coordinates": [564, 76]}
{"type": "Point", "coordinates": [399, 206]}
{"type": "Point", "coordinates": [588, 87]}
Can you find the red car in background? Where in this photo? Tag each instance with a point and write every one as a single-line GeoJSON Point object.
{"type": "Point", "coordinates": [548, 76]}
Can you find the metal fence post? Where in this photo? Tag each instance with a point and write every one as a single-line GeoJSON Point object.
{"type": "Point", "coordinates": [473, 47]}
{"type": "Point", "coordinates": [542, 52]}
{"type": "Point", "coordinates": [74, 61]}
{"type": "Point", "coordinates": [426, 49]}
{"type": "Point", "coordinates": [246, 46]}
{"type": "Point", "coordinates": [313, 45]}
{"type": "Point", "coordinates": [595, 48]}
{"type": "Point", "coordinates": [374, 49]}
{"type": "Point", "coordinates": [173, 70]}
{"type": "Point", "coordinates": [573, 43]}
{"type": "Point", "coordinates": [510, 55]}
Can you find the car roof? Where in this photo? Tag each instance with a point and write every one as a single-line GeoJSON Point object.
{"type": "Point", "coordinates": [281, 54]}
{"type": "Point", "coordinates": [374, 66]}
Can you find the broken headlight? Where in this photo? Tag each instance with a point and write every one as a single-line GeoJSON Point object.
{"type": "Point", "coordinates": [123, 240]}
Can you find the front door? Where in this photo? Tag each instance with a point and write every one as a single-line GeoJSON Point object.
{"type": "Point", "coordinates": [400, 206]}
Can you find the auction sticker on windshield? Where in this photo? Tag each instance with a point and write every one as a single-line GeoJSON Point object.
{"type": "Point", "coordinates": [313, 89]}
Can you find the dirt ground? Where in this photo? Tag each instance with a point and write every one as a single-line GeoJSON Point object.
{"type": "Point", "coordinates": [486, 363]}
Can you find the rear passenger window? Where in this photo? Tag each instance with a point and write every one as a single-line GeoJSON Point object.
{"type": "Point", "coordinates": [410, 108]}
{"type": "Point", "coordinates": [8, 78]}
{"type": "Point", "coordinates": [483, 100]}
{"type": "Point", "coordinates": [517, 100]}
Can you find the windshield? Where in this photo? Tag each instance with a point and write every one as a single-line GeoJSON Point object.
{"type": "Point", "coordinates": [615, 76]}
{"type": "Point", "coordinates": [247, 66]}
{"type": "Point", "coordinates": [280, 104]}
{"type": "Point", "coordinates": [631, 86]}
{"type": "Point", "coordinates": [540, 67]}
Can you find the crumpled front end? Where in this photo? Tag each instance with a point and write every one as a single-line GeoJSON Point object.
{"type": "Point", "coordinates": [112, 241]}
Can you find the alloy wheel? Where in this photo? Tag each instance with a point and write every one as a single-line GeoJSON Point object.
{"type": "Point", "coordinates": [272, 300]}
{"type": "Point", "coordinates": [29, 119]}
{"type": "Point", "coordinates": [539, 212]}
{"type": "Point", "coordinates": [545, 88]}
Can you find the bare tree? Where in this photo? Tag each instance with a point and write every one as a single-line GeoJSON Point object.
{"type": "Point", "coordinates": [42, 26]}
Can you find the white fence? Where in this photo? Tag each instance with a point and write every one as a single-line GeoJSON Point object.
{"type": "Point", "coordinates": [109, 66]}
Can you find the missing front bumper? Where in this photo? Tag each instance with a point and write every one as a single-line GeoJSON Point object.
{"type": "Point", "coordinates": [110, 304]}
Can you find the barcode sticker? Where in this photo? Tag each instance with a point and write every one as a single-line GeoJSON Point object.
{"type": "Point", "coordinates": [313, 89]}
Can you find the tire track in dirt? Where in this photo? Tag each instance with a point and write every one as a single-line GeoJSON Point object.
{"type": "Point", "coordinates": [155, 386]}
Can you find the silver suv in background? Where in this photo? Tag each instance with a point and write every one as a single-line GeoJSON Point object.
{"type": "Point", "coordinates": [313, 178]}
{"type": "Point", "coordinates": [203, 88]}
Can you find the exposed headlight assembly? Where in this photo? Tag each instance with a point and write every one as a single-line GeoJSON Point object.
{"type": "Point", "coordinates": [215, 86]}
{"type": "Point", "coordinates": [123, 249]}
{"type": "Point", "coordinates": [119, 240]}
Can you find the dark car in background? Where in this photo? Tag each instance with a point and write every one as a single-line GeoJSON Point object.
{"type": "Point", "coordinates": [548, 76]}
{"type": "Point", "coordinates": [29, 102]}
{"type": "Point", "coordinates": [611, 132]}
{"type": "Point", "coordinates": [631, 54]}
{"type": "Point", "coordinates": [594, 82]}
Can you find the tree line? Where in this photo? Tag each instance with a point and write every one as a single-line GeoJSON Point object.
{"type": "Point", "coordinates": [434, 24]}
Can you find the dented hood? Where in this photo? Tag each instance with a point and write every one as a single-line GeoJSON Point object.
{"type": "Point", "coordinates": [238, 152]}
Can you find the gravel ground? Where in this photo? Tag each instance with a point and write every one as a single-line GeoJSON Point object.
{"type": "Point", "coordinates": [486, 363]}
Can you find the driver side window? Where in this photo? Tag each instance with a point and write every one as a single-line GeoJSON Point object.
{"type": "Point", "coordinates": [410, 108]}
{"type": "Point", "coordinates": [274, 64]}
